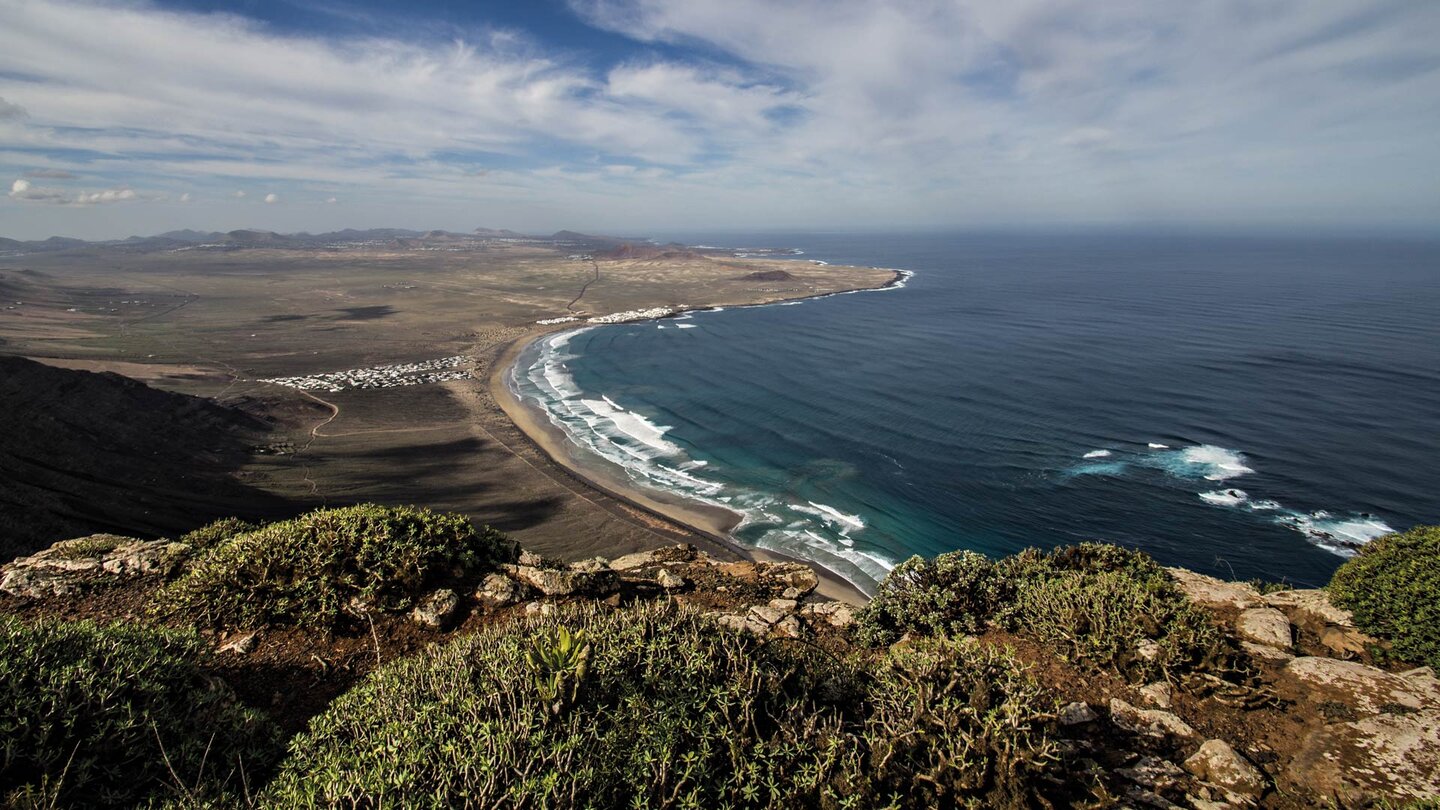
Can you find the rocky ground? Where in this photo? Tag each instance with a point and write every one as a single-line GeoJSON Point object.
{"type": "Point", "coordinates": [1319, 722]}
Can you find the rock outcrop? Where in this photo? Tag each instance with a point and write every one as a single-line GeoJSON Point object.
{"type": "Point", "coordinates": [70, 566]}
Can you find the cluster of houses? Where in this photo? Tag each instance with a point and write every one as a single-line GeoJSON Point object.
{"type": "Point", "coordinates": [393, 376]}
{"type": "Point", "coordinates": [633, 315]}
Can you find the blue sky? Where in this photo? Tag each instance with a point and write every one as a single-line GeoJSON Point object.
{"type": "Point", "coordinates": [652, 115]}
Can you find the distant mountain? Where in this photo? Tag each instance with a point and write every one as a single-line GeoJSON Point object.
{"type": "Point", "coordinates": [256, 238]}
{"type": "Point", "coordinates": [187, 235]}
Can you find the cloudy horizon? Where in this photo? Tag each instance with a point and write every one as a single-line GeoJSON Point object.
{"type": "Point", "coordinates": [120, 118]}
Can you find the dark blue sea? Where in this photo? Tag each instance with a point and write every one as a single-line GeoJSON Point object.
{"type": "Point", "coordinates": [1247, 407]}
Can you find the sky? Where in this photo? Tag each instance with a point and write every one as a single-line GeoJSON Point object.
{"type": "Point", "coordinates": [643, 116]}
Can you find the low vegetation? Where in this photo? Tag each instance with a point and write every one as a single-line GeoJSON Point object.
{"type": "Point", "coordinates": [1094, 604]}
{"type": "Point", "coordinates": [110, 716]}
{"type": "Point", "coordinates": [667, 710]}
{"type": "Point", "coordinates": [213, 534]}
{"type": "Point", "coordinates": [327, 565]}
{"type": "Point", "coordinates": [1393, 588]}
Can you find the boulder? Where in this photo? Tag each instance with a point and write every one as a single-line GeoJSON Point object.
{"type": "Point", "coordinates": [790, 627]}
{"type": "Point", "coordinates": [1310, 609]}
{"type": "Point", "coordinates": [1264, 625]}
{"type": "Point", "coordinates": [435, 610]}
{"type": "Point", "coordinates": [539, 609]}
{"type": "Point", "coordinates": [1221, 765]}
{"type": "Point", "coordinates": [1362, 688]}
{"type": "Point", "coordinates": [565, 582]}
{"type": "Point", "coordinates": [1160, 695]}
{"type": "Point", "coordinates": [767, 614]}
{"type": "Point", "coordinates": [1150, 722]}
{"type": "Point", "coordinates": [784, 605]}
{"type": "Point", "coordinates": [793, 575]}
{"type": "Point", "coordinates": [1077, 713]}
{"type": "Point", "coordinates": [1216, 593]}
{"type": "Point", "coordinates": [1152, 772]}
{"type": "Point", "coordinates": [670, 554]}
{"type": "Point", "coordinates": [1346, 642]}
{"type": "Point", "coordinates": [836, 614]}
{"type": "Point", "coordinates": [70, 566]}
{"type": "Point", "coordinates": [590, 566]}
{"type": "Point", "coordinates": [669, 580]}
{"type": "Point", "coordinates": [1391, 756]}
{"type": "Point", "coordinates": [498, 589]}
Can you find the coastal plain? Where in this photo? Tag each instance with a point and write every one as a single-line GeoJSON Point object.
{"type": "Point", "coordinates": [221, 320]}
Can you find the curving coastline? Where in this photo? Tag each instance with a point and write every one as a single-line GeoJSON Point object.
{"type": "Point", "coordinates": [711, 523]}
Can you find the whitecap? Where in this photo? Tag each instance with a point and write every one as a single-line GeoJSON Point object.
{"type": "Point", "coordinates": [1225, 497]}
{"type": "Point", "coordinates": [685, 326]}
{"type": "Point", "coordinates": [1158, 446]}
{"type": "Point", "coordinates": [836, 516]}
{"type": "Point", "coordinates": [1338, 535]}
{"type": "Point", "coordinates": [1203, 461]}
{"type": "Point", "coordinates": [1096, 454]}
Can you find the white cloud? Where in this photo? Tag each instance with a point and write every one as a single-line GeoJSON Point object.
{"type": "Point", "coordinates": [26, 191]}
{"type": "Point", "coordinates": [271, 199]}
{"type": "Point", "coordinates": [239, 195]}
{"type": "Point", "coordinates": [185, 198]}
{"type": "Point", "coordinates": [331, 200]}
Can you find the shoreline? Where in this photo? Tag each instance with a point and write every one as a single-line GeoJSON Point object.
{"type": "Point", "coordinates": [711, 523]}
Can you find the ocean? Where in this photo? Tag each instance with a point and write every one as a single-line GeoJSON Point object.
{"type": "Point", "coordinates": [1245, 407]}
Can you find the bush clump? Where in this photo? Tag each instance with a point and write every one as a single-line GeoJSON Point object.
{"type": "Point", "coordinates": [1391, 586]}
{"type": "Point", "coordinates": [320, 567]}
{"type": "Point", "coordinates": [670, 711]}
{"type": "Point", "coordinates": [951, 594]}
{"type": "Point", "coordinates": [213, 534]}
{"type": "Point", "coordinates": [94, 715]}
{"type": "Point", "coordinates": [1093, 603]}
{"type": "Point", "coordinates": [1112, 608]}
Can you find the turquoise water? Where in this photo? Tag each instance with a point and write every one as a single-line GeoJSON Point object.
{"type": "Point", "coordinates": [1246, 407]}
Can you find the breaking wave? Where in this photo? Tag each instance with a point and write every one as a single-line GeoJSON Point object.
{"type": "Point", "coordinates": [648, 458]}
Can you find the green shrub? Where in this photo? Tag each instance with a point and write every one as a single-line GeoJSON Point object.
{"type": "Point", "coordinates": [213, 534]}
{"type": "Point", "coordinates": [1095, 604]}
{"type": "Point", "coordinates": [951, 594]}
{"type": "Point", "coordinates": [953, 722]}
{"type": "Point", "coordinates": [672, 711]}
{"type": "Point", "coordinates": [1393, 588]}
{"type": "Point", "coordinates": [315, 568]}
{"type": "Point", "coordinates": [95, 715]}
{"type": "Point", "coordinates": [1112, 608]}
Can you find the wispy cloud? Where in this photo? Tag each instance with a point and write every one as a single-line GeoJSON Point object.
{"type": "Point", "coordinates": [747, 112]}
